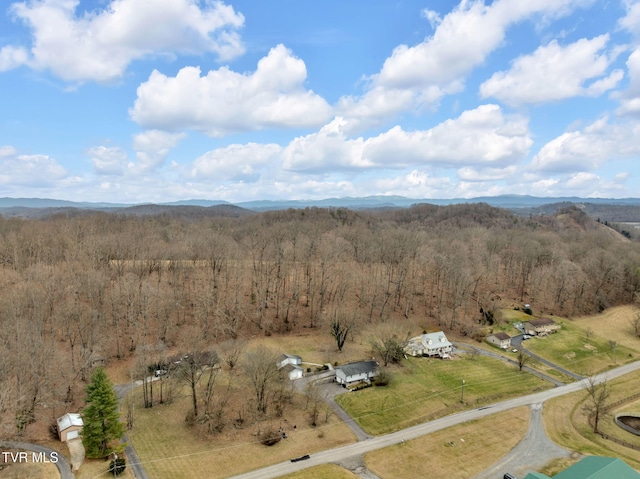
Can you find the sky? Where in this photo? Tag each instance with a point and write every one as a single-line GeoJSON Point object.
{"type": "Point", "coordinates": [135, 101]}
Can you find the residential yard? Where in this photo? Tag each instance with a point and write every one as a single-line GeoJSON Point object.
{"type": "Point", "coordinates": [423, 389]}
{"type": "Point", "coordinates": [169, 449]}
{"type": "Point", "coordinates": [583, 346]}
{"type": "Point", "coordinates": [566, 422]}
{"type": "Point", "coordinates": [458, 452]}
{"type": "Point", "coordinates": [28, 471]}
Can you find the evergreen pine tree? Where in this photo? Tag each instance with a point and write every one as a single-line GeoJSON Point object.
{"type": "Point", "coordinates": [101, 417]}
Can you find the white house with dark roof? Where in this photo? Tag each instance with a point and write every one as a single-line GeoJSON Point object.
{"type": "Point", "coordinates": [500, 339]}
{"type": "Point", "coordinates": [285, 359]}
{"type": "Point", "coordinates": [356, 372]}
{"type": "Point", "coordinates": [292, 371]}
{"type": "Point", "coordinates": [430, 344]}
{"type": "Point", "coordinates": [69, 426]}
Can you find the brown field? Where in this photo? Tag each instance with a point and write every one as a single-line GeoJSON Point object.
{"type": "Point", "coordinates": [326, 471]}
{"type": "Point", "coordinates": [170, 449]}
{"type": "Point", "coordinates": [614, 324]}
{"type": "Point", "coordinates": [458, 452]}
{"type": "Point", "coordinates": [29, 471]}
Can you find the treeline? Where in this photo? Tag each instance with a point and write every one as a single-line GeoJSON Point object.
{"type": "Point", "coordinates": [75, 292]}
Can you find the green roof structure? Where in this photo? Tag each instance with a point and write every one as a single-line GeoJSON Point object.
{"type": "Point", "coordinates": [593, 467]}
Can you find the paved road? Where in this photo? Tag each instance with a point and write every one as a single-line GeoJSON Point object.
{"type": "Point", "coordinates": [63, 465]}
{"type": "Point", "coordinates": [533, 452]}
{"type": "Point", "coordinates": [344, 452]}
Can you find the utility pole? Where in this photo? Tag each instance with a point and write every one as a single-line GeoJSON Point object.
{"type": "Point", "coordinates": [462, 393]}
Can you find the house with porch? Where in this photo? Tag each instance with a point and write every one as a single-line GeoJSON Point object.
{"type": "Point", "coordinates": [430, 345]}
{"type": "Point", "coordinates": [540, 327]}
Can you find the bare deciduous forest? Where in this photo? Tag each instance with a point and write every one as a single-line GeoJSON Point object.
{"type": "Point", "coordinates": [80, 291]}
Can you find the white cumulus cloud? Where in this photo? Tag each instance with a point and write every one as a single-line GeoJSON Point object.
{"type": "Point", "coordinates": [108, 160]}
{"type": "Point", "coordinates": [420, 75]}
{"type": "Point", "coordinates": [236, 162]}
{"type": "Point", "coordinates": [29, 170]}
{"type": "Point", "coordinates": [152, 148]}
{"type": "Point", "coordinates": [223, 101]}
{"type": "Point", "coordinates": [483, 136]}
{"type": "Point", "coordinates": [588, 149]}
{"type": "Point", "coordinates": [555, 72]}
{"type": "Point", "coordinates": [98, 45]}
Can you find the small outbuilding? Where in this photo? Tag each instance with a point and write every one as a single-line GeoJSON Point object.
{"type": "Point", "coordinates": [285, 359]}
{"type": "Point", "coordinates": [500, 339]}
{"type": "Point", "coordinates": [292, 371]}
{"type": "Point", "coordinates": [362, 371]}
{"type": "Point", "coordinates": [69, 426]}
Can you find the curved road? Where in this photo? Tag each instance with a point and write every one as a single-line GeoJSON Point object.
{"type": "Point", "coordinates": [63, 465]}
{"type": "Point", "coordinates": [341, 453]}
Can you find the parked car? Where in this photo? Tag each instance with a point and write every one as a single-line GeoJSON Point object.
{"type": "Point", "coordinates": [509, 476]}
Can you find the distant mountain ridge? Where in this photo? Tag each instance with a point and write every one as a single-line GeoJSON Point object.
{"type": "Point", "coordinates": [379, 201]}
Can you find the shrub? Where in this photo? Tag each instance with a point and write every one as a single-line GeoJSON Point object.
{"type": "Point", "coordinates": [383, 378]}
{"type": "Point", "coordinates": [270, 437]}
{"type": "Point", "coordinates": [117, 467]}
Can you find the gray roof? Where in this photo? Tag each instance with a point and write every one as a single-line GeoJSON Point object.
{"type": "Point", "coordinates": [68, 420]}
{"type": "Point", "coordinates": [360, 367]}
{"type": "Point", "coordinates": [501, 336]}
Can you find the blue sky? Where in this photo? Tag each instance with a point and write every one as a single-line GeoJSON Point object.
{"type": "Point", "coordinates": [164, 100]}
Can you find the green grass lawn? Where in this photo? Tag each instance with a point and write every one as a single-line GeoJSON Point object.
{"type": "Point", "coordinates": [571, 349]}
{"type": "Point", "coordinates": [424, 389]}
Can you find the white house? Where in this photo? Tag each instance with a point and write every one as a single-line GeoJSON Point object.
{"type": "Point", "coordinates": [69, 426]}
{"type": "Point", "coordinates": [356, 372]}
{"type": "Point", "coordinates": [431, 344]}
{"type": "Point", "coordinates": [500, 339]}
{"type": "Point", "coordinates": [292, 371]}
{"type": "Point", "coordinates": [285, 359]}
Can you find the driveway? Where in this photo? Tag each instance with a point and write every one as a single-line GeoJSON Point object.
{"type": "Point", "coordinates": [484, 352]}
{"type": "Point", "coordinates": [62, 464]}
{"type": "Point", "coordinates": [134, 463]}
{"type": "Point", "coordinates": [533, 452]}
{"type": "Point", "coordinates": [519, 342]}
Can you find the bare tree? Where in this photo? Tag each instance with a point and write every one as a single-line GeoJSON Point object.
{"type": "Point", "coordinates": [230, 352]}
{"type": "Point", "coordinates": [190, 370]}
{"type": "Point", "coordinates": [596, 406]}
{"type": "Point", "coordinates": [388, 345]}
{"type": "Point", "coordinates": [522, 359]}
{"type": "Point", "coordinates": [340, 329]}
{"type": "Point", "coordinates": [636, 324]}
{"type": "Point", "coordinates": [262, 373]}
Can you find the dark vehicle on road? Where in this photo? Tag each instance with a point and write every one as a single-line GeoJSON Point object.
{"type": "Point", "coordinates": [301, 458]}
